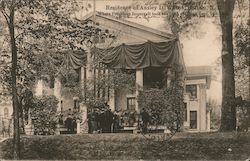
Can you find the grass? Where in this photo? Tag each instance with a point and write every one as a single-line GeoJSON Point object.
{"type": "Point", "coordinates": [183, 146]}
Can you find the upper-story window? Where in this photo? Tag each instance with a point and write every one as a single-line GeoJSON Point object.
{"type": "Point", "coordinates": [192, 91]}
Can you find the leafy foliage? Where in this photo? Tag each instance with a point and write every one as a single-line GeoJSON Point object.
{"type": "Point", "coordinates": [43, 114]}
{"type": "Point", "coordinates": [214, 107]}
{"type": "Point", "coordinates": [242, 59]}
{"type": "Point", "coordinates": [165, 106]}
{"type": "Point", "coordinates": [45, 32]}
{"type": "Point", "coordinates": [99, 88]}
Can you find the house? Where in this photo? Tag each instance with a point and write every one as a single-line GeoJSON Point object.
{"type": "Point", "coordinates": [131, 35]}
{"type": "Point", "coordinates": [151, 46]}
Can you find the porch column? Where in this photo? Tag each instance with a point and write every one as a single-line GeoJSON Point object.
{"type": "Point", "coordinates": [110, 93]}
{"type": "Point", "coordinates": [83, 81]}
{"type": "Point", "coordinates": [111, 100]}
{"type": "Point", "coordinates": [89, 73]}
{"type": "Point", "coordinates": [82, 126]}
{"type": "Point", "coordinates": [139, 85]}
{"type": "Point", "coordinates": [169, 77]}
{"type": "Point", "coordinates": [57, 92]}
{"type": "Point", "coordinates": [203, 109]}
{"type": "Point", "coordinates": [208, 120]}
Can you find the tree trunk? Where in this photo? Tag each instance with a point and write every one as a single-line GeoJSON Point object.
{"type": "Point", "coordinates": [228, 111]}
{"type": "Point", "coordinates": [16, 146]}
{"type": "Point", "coordinates": [21, 113]}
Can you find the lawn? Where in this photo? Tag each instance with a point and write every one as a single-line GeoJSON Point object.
{"type": "Point", "coordinates": [183, 146]}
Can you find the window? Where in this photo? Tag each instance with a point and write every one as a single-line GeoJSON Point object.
{"type": "Point", "coordinates": [131, 103]}
{"type": "Point", "coordinates": [6, 112]}
{"type": "Point", "coordinates": [185, 111]}
{"type": "Point", "coordinates": [192, 91]}
{"type": "Point", "coordinates": [193, 119]}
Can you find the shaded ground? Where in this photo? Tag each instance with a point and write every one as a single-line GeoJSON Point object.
{"type": "Point", "coordinates": [185, 146]}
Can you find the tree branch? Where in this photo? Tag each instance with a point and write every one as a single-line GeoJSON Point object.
{"type": "Point", "coordinates": [6, 16]}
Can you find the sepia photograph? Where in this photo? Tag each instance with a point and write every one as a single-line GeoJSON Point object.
{"type": "Point", "coordinates": [137, 80]}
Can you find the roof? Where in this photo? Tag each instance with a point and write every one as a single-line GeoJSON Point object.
{"type": "Point", "coordinates": [199, 72]}
{"type": "Point", "coordinates": [131, 24]}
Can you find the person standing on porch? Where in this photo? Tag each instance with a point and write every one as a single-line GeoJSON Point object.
{"type": "Point", "coordinates": [69, 122]}
{"type": "Point", "coordinates": [109, 118]}
{"type": "Point", "coordinates": [145, 120]}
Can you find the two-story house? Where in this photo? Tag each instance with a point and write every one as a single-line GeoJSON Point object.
{"type": "Point", "coordinates": [150, 49]}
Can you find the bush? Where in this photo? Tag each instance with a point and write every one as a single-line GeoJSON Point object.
{"type": "Point", "coordinates": [43, 115]}
{"type": "Point", "coordinates": [165, 106]}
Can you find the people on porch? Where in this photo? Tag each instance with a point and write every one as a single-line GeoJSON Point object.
{"type": "Point", "coordinates": [109, 116]}
{"type": "Point", "coordinates": [106, 119]}
{"type": "Point", "coordinates": [145, 120]}
{"type": "Point", "coordinates": [70, 122]}
{"type": "Point", "coordinates": [93, 121]}
{"type": "Point", "coordinates": [101, 120]}
{"type": "Point", "coordinates": [60, 121]}
{"type": "Point", "coordinates": [116, 122]}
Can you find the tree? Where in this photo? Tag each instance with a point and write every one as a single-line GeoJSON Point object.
{"type": "Point", "coordinates": [242, 68]}
{"type": "Point", "coordinates": [10, 18]}
{"type": "Point", "coordinates": [31, 25]}
{"type": "Point", "coordinates": [242, 59]}
{"type": "Point", "coordinates": [43, 114]}
{"type": "Point", "coordinates": [32, 22]}
{"type": "Point", "coordinates": [228, 114]}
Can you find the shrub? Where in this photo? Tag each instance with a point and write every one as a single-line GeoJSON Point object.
{"type": "Point", "coordinates": [43, 115]}
{"type": "Point", "coordinates": [165, 106]}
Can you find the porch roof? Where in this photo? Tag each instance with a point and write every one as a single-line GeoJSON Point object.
{"type": "Point", "coordinates": [199, 72]}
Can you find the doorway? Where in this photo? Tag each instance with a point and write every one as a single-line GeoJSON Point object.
{"type": "Point", "coordinates": [193, 119]}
